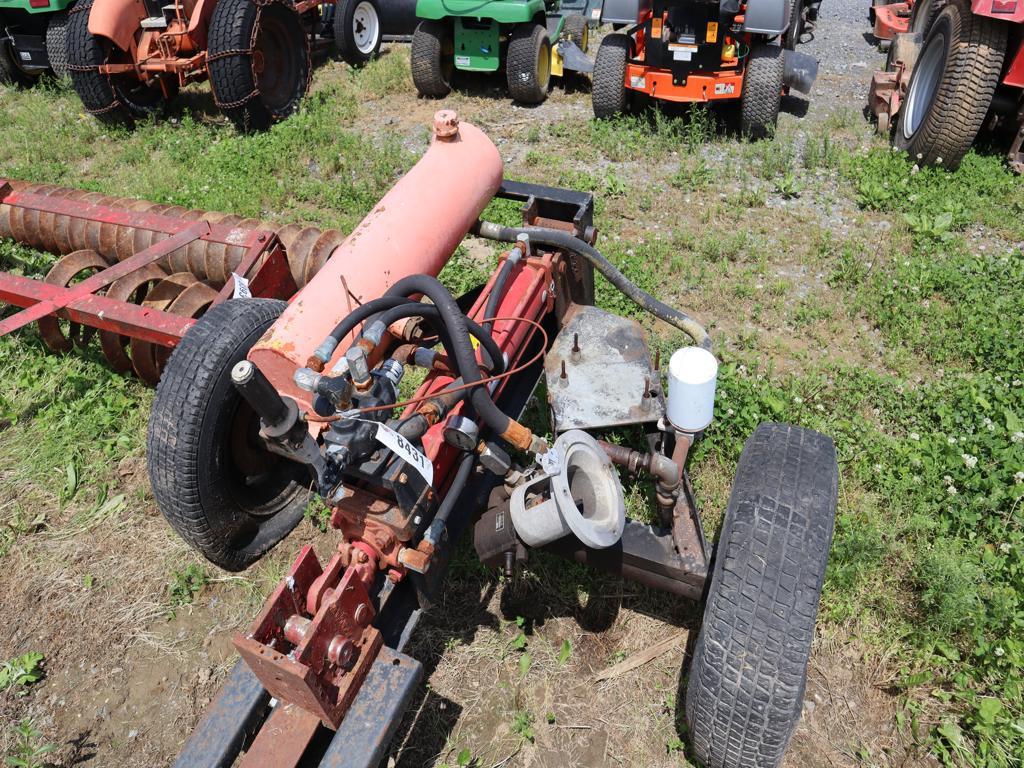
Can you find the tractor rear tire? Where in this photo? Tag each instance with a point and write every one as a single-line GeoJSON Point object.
{"type": "Point", "coordinates": [259, 62]}
{"type": "Point", "coordinates": [357, 30]}
{"type": "Point", "coordinates": [922, 15]}
{"type": "Point", "coordinates": [57, 43]}
{"type": "Point", "coordinates": [114, 101]}
{"type": "Point", "coordinates": [951, 89]}
{"type": "Point", "coordinates": [609, 95]}
{"type": "Point", "coordinates": [528, 63]}
{"type": "Point", "coordinates": [223, 492]}
{"type": "Point", "coordinates": [762, 91]}
{"type": "Point", "coordinates": [749, 671]}
{"type": "Point", "coordinates": [432, 59]}
{"type": "Point", "coordinates": [577, 31]}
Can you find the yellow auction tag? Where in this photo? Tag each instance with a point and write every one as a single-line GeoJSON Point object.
{"type": "Point", "coordinates": [712, 32]}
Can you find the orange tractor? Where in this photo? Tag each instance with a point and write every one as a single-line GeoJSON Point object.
{"type": "Point", "coordinates": [128, 58]}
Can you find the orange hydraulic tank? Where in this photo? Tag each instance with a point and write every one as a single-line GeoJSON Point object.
{"type": "Point", "coordinates": [414, 229]}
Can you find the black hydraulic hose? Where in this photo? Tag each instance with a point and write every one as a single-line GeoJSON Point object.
{"type": "Point", "coordinates": [351, 320]}
{"type": "Point", "coordinates": [557, 238]}
{"type": "Point", "coordinates": [463, 354]}
{"type": "Point", "coordinates": [498, 289]}
{"type": "Point", "coordinates": [495, 362]}
{"type": "Point", "coordinates": [435, 531]}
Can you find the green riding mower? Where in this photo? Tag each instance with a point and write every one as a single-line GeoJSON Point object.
{"type": "Point", "coordinates": [33, 39]}
{"type": "Point", "coordinates": [532, 40]}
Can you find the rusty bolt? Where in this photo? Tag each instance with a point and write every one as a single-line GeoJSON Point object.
{"type": "Point", "coordinates": [645, 401]}
{"type": "Point", "coordinates": [341, 651]}
{"type": "Point", "coordinates": [362, 614]}
{"type": "Point", "coordinates": [403, 478]}
{"type": "Point", "coordinates": [564, 377]}
{"type": "Point", "coordinates": [262, 238]}
{"type": "Point", "coordinates": [657, 359]}
{"type": "Point", "coordinates": [446, 124]}
{"type": "Point", "coordinates": [576, 351]}
{"type": "Point", "coordinates": [361, 556]}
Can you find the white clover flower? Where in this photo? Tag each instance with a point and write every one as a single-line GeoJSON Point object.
{"type": "Point", "coordinates": [951, 490]}
{"type": "Point", "coordinates": [819, 407]}
{"type": "Point", "coordinates": [917, 479]}
{"type": "Point", "coordinates": [1018, 478]}
{"type": "Point", "coordinates": [878, 469]}
{"type": "Point", "coordinates": [730, 412]}
{"type": "Point", "coordinates": [1017, 436]}
{"type": "Point", "coordinates": [915, 436]}
{"type": "Point", "coordinates": [999, 651]}
{"type": "Point", "coordinates": [951, 440]}
{"type": "Point", "coordinates": [1005, 548]}
{"type": "Point", "coordinates": [1017, 382]}
{"type": "Point", "coordinates": [947, 479]}
{"type": "Point", "coordinates": [970, 461]}
{"type": "Point", "coordinates": [742, 370]}
{"type": "Point", "coordinates": [798, 400]}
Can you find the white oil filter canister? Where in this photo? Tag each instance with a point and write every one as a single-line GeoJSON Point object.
{"type": "Point", "coordinates": [692, 376]}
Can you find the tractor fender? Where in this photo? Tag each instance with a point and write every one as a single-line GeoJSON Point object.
{"type": "Point", "coordinates": [116, 20]}
{"type": "Point", "coordinates": [1002, 10]}
{"type": "Point", "coordinates": [766, 17]}
{"type": "Point", "coordinates": [623, 11]}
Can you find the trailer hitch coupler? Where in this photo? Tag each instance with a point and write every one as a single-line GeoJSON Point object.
{"type": "Point", "coordinates": [279, 415]}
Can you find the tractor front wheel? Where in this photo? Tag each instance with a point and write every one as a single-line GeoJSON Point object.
{"type": "Point", "coordinates": [357, 30]}
{"type": "Point", "coordinates": [432, 59]}
{"type": "Point", "coordinates": [609, 95]}
{"type": "Point", "coordinates": [950, 91]}
{"type": "Point", "coordinates": [213, 478]}
{"type": "Point", "coordinates": [749, 669]}
{"type": "Point", "coordinates": [528, 66]}
{"type": "Point", "coordinates": [113, 99]}
{"type": "Point", "coordinates": [577, 31]}
{"type": "Point", "coordinates": [259, 62]}
{"type": "Point", "coordinates": [762, 90]}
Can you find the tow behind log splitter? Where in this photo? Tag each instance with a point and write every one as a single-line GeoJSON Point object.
{"type": "Point", "coordinates": [263, 403]}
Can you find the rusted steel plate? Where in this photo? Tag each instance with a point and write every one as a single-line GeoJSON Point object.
{"type": "Point", "coordinates": [603, 383]}
{"type": "Point", "coordinates": [100, 312]}
{"type": "Point", "coordinates": [364, 735]}
{"type": "Point", "coordinates": [283, 739]}
{"type": "Point", "coordinates": [236, 713]}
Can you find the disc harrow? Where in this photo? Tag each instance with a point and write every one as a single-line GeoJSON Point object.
{"type": "Point", "coordinates": [93, 231]}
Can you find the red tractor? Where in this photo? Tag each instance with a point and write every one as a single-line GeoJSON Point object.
{"type": "Point", "coordinates": [957, 67]}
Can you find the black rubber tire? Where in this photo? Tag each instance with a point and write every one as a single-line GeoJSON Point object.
{"type": "Point", "coordinates": [528, 63]}
{"type": "Point", "coordinates": [274, 32]}
{"type": "Point", "coordinates": [762, 90]}
{"type": "Point", "coordinates": [114, 102]}
{"type": "Point", "coordinates": [796, 25]}
{"type": "Point", "coordinates": [57, 43]}
{"type": "Point", "coordinates": [344, 32]}
{"type": "Point", "coordinates": [609, 94]}
{"type": "Point", "coordinates": [200, 429]}
{"type": "Point", "coordinates": [576, 30]}
{"type": "Point", "coordinates": [432, 59]}
{"type": "Point", "coordinates": [973, 48]}
{"type": "Point", "coordinates": [749, 670]}
{"type": "Point", "coordinates": [923, 15]}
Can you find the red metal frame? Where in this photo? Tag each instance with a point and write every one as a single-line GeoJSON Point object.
{"type": "Point", "coordinates": [892, 19]}
{"type": "Point", "coordinates": [265, 265]}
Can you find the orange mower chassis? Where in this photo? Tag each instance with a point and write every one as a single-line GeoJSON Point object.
{"type": "Point", "coordinates": [658, 84]}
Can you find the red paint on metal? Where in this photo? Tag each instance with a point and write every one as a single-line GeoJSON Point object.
{"type": "Point", "coordinates": [890, 20]}
{"type": "Point", "coordinates": [322, 673]}
{"type": "Point", "coordinates": [1004, 10]}
{"type": "Point", "coordinates": [283, 739]}
{"type": "Point", "coordinates": [100, 312]}
{"type": "Point", "coordinates": [415, 228]}
{"type": "Point", "coordinates": [104, 278]}
{"type": "Point", "coordinates": [1015, 71]}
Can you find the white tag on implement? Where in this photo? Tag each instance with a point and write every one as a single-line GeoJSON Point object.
{"type": "Point", "coordinates": [241, 287]}
{"type": "Point", "coordinates": [407, 451]}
